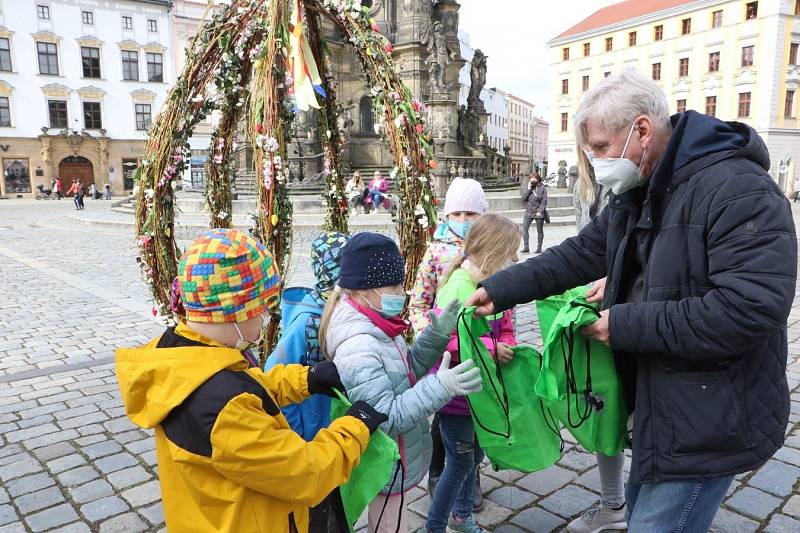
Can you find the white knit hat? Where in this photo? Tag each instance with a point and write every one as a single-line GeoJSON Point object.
{"type": "Point", "coordinates": [465, 194]}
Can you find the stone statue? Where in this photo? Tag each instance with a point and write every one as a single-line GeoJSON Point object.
{"type": "Point", "coordinates": [462, 133]}
{"type": "Point", "coordinates": [562, 175]}
{"type": "Point", "coordinates": [45, 150]}
{"type": "Point", "coordinates": [477, 76]}
{"type": "Point", "coordinates": [438, 60]}
{"type": "Point", "coordinates": [344, 120]}
{"type": "Point", "coordinates": [573, 177]}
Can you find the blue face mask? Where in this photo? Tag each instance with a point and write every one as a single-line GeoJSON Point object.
{"type": "Point", "coordinates": [460, 228]}
{"type": "Point", "coordinates": [391, 304]}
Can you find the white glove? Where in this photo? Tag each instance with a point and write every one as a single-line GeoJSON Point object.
{"type": "Point", "coordinates": [460, 380]}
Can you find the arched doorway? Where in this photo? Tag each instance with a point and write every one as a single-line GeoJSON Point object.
{"type": "Point", "coordinates": [75, 167]}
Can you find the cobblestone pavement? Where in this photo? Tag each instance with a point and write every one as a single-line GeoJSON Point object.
{"type": "Point", "coordinates": [70, 460]}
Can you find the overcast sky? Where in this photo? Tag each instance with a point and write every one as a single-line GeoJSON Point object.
{"type": "Point", "coordinates": [514, 34]}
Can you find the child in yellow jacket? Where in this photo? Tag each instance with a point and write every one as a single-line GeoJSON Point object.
{"type": "Point", "coordinates": [227, 458]}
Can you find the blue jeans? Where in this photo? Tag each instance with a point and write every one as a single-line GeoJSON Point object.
{"type": "Point", "coordinates": [687, 505]}
{"type": "Point", "coordinates": [377, 198]}
{"type": "Point", "coordinates": [455, 489]}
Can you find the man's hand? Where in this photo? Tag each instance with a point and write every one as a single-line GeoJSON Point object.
{"type": "Point", "coordinates": [504, 353]}
{"type": "Point", "coordinates": [597, 292]}
{"type": "Point", "coordinates": [482, 302]}
{"type": "Point", "coordinates": [598, 330]}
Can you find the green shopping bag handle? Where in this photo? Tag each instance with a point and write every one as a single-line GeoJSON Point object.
{"type": "Point", "coordinates": [504, 404]}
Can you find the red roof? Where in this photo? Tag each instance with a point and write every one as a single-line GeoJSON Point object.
{"type": "Point", "coordinates": [621, 12]}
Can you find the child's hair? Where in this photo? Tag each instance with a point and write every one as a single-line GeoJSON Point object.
{"type": "Point", "coordinates": [586, 180]}
{"type": "Point", "coordinates": [492, 238]}
{"type": "Point", "coordinates": [325, 321]}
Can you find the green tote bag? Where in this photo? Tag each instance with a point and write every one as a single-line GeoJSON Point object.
{"type": "Point", "coordinates": [514, 428]}
{"type": "Point", "coordinates": [378, 462]}
{"type": "Point", "coordinates": [578, 379]}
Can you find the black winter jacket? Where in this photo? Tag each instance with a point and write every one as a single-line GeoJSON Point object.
{"type": "Point", "coordinates": [535, 200]}
{"type": "Point", "coordinates": [705, 348]}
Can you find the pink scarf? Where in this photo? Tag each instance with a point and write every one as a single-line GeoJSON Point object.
{"type": "Point", "coordinates": [392, 327]}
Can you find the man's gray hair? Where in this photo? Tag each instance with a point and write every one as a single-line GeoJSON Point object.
{"type": "Point", "coordinates": [617, 100]}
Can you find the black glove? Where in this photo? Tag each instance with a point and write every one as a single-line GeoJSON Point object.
{"type": "Point", "coordinates": [364, 412]}
{"type": "Point", "coordinates": [323, 378]}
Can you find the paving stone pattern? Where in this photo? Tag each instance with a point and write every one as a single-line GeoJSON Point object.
{"type": "Point", "coordinates": [71, 461]}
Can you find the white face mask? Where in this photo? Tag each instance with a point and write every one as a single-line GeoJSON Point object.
{"type": "Point", "coordinates": [617, 173]}
{"type": "Point", "coordinates": [245, 344]}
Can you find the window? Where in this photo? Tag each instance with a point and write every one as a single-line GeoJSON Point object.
{"type": "Point", "coordinates": [366, 116]}
{"type": "Point", "coordinates": [5, 55]}
{"type": "Point", "coordinates": [43, 12]}
{"type": "Point", "coordinates": [656, 71]}
{"type": "Point", "coordinates": [48, 58]}
{"type": "Point", "coordinates": [87, 17]}
{"type": "Point", "coordinates": [788, 104]}
{"type": "Point", "coordinates": [90, 58]}
{"type": "Point", "coordinates": [564, 86]}
{"type": "Point", "coordinates": [155, 67]}
{"type": "Point", "coordinates": [751, 10]}
{"type": "Point", "coordinates": [716, 19]}
{"type": "Point", "coordinates": [744, 105]}
{"type": "Point", "coordinates": [564, 121]}
{"type": "Point", "coordinates": [713, 62]}
{"type": "Point", "coordinates": [681, 106]}
{"type": "Point", "coordinates": [57, 109]}
{"type": "Point", "coordinates": [585, 83]}
{"type": "Point", "coordinates": [747, 55]}
{"type": "Point", "coordinates": [609, 44]}
{"type": "Point", "coordinates": [792, 54]}
{"type": "Point", "coordinates": [127, 23]}
{"type": "Point", "coordinates": [5, 112]}
{"type": "Point", "coordinates": [565, 54]}
{"type": "Point", "coordinates": [711, 106]}
{"type": "Point", "coordinates": [91, 116]}
{"type": "Point", "coordinates": [683, 67]}
{"type": "Point", "coordinates": [142, 116]}
{"type": "Point", "coordinates": [658, 32]}
{"type": "Point", "coordinates": [686, 26]}
{"type": "Point", "coordinates": [606, 74]}
{"type": "Point", "coordinates": [587, 49]}
{"type": "Point", "coordinates": [632, 38]}
{"type": "Point", "coordinates": [152, 25]}
{"type": "Point", "coordinates": [130, 65]}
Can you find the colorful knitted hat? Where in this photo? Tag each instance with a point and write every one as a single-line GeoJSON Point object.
{"type": "Point", "coordinates": [326, 255]}
{"type": "Point", "coordinates": [227, 276]}
{"type": "Point", "coordinates": [371, 261]}
{"type": "Point", "coordinates": [465, 194]}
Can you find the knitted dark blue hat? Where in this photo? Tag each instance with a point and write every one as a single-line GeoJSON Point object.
{"type": "Point", "coordinates": [371, 261]}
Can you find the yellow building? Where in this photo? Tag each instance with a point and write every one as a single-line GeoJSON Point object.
{"type": "Point", "coordinates": [734, 59]}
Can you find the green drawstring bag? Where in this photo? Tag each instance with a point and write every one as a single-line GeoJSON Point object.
{"type": "Point", "coordinates": [578, 380]}
{"type": "Point", "coordinates": [378, 462]}
{"type": "Point", "coordinates": [514, 428]}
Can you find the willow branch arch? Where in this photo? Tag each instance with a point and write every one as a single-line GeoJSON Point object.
{"type": "Point", "coordinates": [239, 68]}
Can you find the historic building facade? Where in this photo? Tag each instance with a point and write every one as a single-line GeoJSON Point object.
{"type": "Point", "coordinates": [79, 85]}
{"type": "Point", "coordinates": [734, 59]}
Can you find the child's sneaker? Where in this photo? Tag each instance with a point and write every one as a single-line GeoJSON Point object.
{"type": "Point", "coordinates": [465, 525]}
{"type": "Point", "coordinates": [597, 519]}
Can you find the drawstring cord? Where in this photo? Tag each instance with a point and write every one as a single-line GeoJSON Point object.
{"type": "Point", "coordinates": [591, 401]}
{"type": "Point", "coordinates": [399, 468]}
{"type": "Point", "coordinates": [503, 401]}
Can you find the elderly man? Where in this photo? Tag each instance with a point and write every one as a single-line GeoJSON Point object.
{"type": "Point", "coordinates": [700, 251]}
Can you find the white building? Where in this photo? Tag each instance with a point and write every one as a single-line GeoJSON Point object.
{"type": "Point", "coordinates": [80, 81]}
{"type": "Point", "coordinates": [497, 124]}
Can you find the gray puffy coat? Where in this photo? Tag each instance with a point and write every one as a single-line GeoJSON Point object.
{"type": "Point", "coordinates": [376, 369]}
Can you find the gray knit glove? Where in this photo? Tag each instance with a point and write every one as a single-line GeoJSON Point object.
{"type": "Point", "coordinates": [445, 323]}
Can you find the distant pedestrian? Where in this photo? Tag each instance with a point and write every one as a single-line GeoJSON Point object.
{"type": "Point", "coordinates": [58, 188]}
{"type": "Point", "coordinates": [535, 200]}
{"type": "Point", "coordinates": [107, 191]}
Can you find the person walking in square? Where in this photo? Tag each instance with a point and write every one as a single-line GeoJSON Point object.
{"type": "Point", "coordinates": [535, 200]}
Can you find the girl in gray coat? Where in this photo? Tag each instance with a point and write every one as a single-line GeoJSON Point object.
{"type": "Point", "coordinates": [362, 332]}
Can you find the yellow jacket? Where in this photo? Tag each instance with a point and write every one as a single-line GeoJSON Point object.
{"type": "Point", "coordinates": [227, 458]}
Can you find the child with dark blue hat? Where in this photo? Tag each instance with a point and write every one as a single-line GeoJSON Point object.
{"type": "Point", "coordinates": [362, 331]}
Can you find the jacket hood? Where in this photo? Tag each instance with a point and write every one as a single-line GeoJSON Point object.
{"type": "Point", "coordinates": [346, 323]}
{"type": "Point", "coordinates": [298, 300]}
{"type": "Point", "coordinates": [153, 380]}
{"type": "Point", "coordinates": [443, 234]}
{"type": "Point", "coordinates": [698, 141]}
